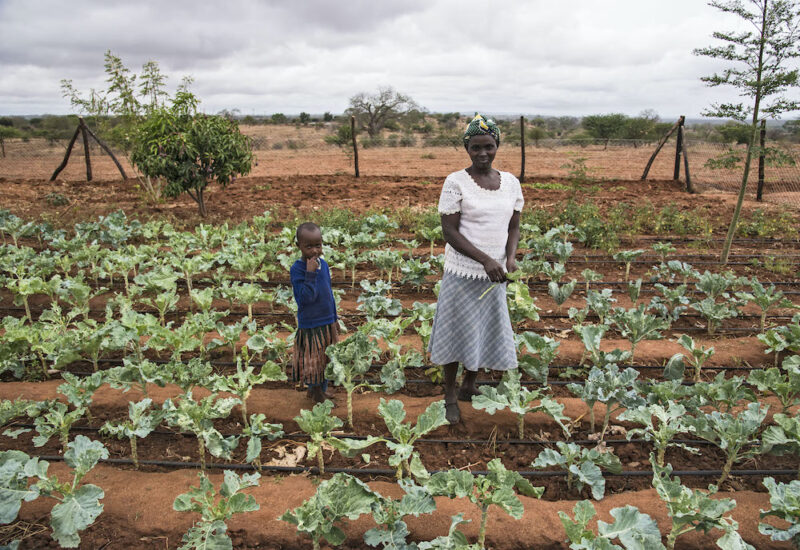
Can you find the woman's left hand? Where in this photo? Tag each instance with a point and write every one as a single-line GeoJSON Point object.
{"type": "Point", "coordinates": [511, 265]}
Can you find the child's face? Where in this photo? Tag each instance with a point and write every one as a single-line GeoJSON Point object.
{"type": "Point", "coordinates": [310, 244]}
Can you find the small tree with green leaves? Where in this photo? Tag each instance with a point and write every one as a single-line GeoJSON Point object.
{"type": "Point", "coordinates": [760, 68]}
{"type": "Point", "coordinates": [497, 487]}
{"type": "Point", "coordinates": [190, 150]}
{"type": "Point", "coordinates": [215, 509]}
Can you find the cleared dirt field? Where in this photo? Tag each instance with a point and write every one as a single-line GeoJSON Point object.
{"type": "Point", "coordinates": [302, 151]}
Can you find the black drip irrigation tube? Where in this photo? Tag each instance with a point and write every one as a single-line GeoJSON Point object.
{"type": "Point", "coordinates": [378, 365]}
{"type": "Point", "coordinates": [430, 441]}
{"type": "Point", "coordinates": [551, 316]}
{"type": "Point", "coordinates": [387, 472]}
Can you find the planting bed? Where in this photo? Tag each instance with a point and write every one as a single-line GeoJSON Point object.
{"type": "Point", "coordinates": [42, 340]}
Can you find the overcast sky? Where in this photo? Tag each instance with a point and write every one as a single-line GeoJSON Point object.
{"type": "Point", "coordinates": [567, 57]}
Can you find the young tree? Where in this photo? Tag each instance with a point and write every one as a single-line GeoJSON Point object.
{"type": "Point", "coordinates": [374, 111]}
{"type": "Point", "coordinates": [605, 126]}
{"type": "Point", "coordinates": [759, 70]}
{"type": "Point", "coordinates": [190, 150]}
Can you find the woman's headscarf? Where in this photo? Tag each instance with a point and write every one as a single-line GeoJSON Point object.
{"type": "Point", "coordinates": [481, 126]}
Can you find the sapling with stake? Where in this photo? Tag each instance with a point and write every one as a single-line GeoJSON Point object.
{"type": "Point", "coordinates": [497, 487]}
{"type": "Point", "coordinates": [511, 394]}
{"type": "Point", "coordinates": [215, 509]}
{"type": "Point", "coordinates": [141, 421]}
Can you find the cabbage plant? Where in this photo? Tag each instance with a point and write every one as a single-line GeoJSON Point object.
{"type": "Point", "coordinates": [215, 508]}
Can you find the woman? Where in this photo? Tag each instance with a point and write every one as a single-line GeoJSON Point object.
{"type": "Point", "coordinates": [480, 209]}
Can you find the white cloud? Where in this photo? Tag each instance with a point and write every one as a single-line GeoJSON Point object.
{"type": "Point", "coordinates": [570, 57]}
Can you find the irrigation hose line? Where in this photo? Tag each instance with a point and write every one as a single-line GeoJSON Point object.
{"type": "Point", "coordinates": [387, 472]}
{"type": "Point", "coordinates": [482, 442]}
{"type": "Point", "coordinates": [118, 362]}
{"type": "Point", "coordinates": [719, 330]}
{"type": "Point", "coordinates": [427, 382]}
{"type": "Point", "coordinates": [552, 316]}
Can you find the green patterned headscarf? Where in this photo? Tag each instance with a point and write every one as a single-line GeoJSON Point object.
{"type": "Point", "coordinates": [481, 126]}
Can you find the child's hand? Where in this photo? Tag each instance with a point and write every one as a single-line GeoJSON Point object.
{"type": "Point", "coordinates": [312, 264]}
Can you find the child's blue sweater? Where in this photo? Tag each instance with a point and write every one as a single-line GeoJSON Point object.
{"type": "Point", "coordinates": [313, 294]}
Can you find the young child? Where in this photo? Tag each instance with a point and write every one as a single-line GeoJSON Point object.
{"type": "Point", "coordinates": [316, 312]}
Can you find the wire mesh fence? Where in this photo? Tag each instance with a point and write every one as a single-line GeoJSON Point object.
{"type": "Point", "coordinates": [779, 176]}
{"type": "Point", "coordinates": [287, 150]}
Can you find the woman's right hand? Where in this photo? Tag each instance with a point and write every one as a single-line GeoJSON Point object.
{"type": "Point", "coordinates": [494, 270]}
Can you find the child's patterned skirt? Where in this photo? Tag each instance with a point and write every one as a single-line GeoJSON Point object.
{"type": "Point", "coordinates": [308, 358]}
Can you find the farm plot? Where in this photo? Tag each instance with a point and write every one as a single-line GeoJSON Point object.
{"type": "Point", "coordinates": [135, 355]}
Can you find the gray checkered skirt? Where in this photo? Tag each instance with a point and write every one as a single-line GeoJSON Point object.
{"type": "Point", "coordinates": [476, 333]}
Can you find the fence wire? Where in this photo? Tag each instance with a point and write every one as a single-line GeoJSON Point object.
{"type": "Point", "coordinates": [288, 150]}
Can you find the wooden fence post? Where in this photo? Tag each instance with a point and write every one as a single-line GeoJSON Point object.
{"type": "Point", "coordinates": [761, 160]}
{"type": "Point", "coordinates": [522, 142]}
{"type": "Point", "coordinates": [355, 145]}
{"type": "Point", "coordinates": [658, 148]}
{"type": "Point", "coordinates": [682, 140]}
{"type": "Point", "coordinates": [85, 137]}
{"type": "Point", "coordinates": [66, 155]}
{"type": "Point", "coordinates": [678, 150]}
{"type": "Point", "coordinates": [108, 151]}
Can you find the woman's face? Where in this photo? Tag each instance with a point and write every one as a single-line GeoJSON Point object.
{"type": "Point", "coordinates": [481, 150]}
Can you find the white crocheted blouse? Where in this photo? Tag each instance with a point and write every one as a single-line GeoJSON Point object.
{"type": "Point", "coordinates": [485, 214]}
